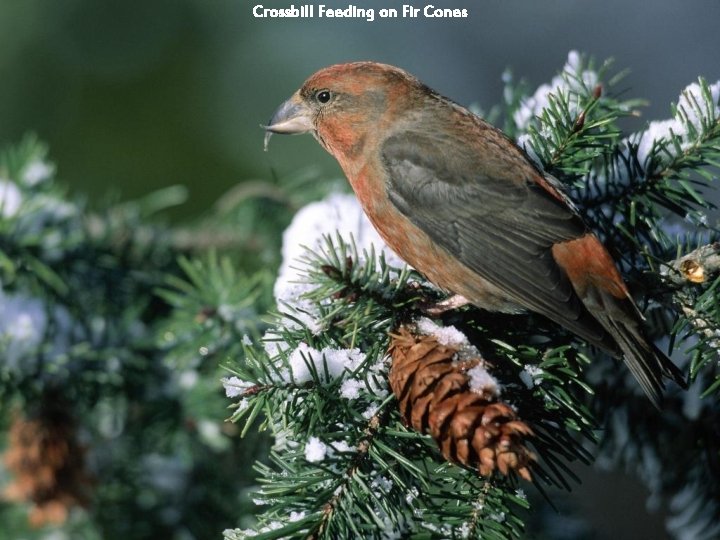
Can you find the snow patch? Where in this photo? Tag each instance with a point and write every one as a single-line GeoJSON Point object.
{"type": "Point", "coordinates": [337, 213]}
{"type": "Point", "coordinates": [445, 335]}
{"type": "Point", "coordinates": [327, 363]}
{"type": "Point", "coordinates": [234, 386]}
{"type": "Point", "coordinates": [690, 107]}
{"type": "Point", "coordinates": [10, 199]}
{"type": "Point", "coordinates": [351, 388]}
{"type": "Point", "coordinates": [572, 81]}
{"type": "Point", "coordinates": [315, 450]}
{"type": "Point", "coordinates": [531, 375]}
{"type": "Point", "coordinates": [450, 337]}
{"type": "Point", "coordinates": [482, 382]}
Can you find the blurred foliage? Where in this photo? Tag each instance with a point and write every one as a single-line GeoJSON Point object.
{"type": "Point", "coordinates": [142, 95]}
{"type": "Point", "coordinates": [121, 321]}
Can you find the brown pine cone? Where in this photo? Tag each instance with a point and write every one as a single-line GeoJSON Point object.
{"type": "Point", "coordinates": [48, 465]}
{"type": "Point", "coordinates": [445, 391]}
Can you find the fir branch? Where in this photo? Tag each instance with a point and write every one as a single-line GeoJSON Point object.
{"type": "Point", "coordinates": [355, 301]}
{"type": "Point", "coordinates": [214, 310]}
{"type": "Point", "coordinates": [78, 316]}
{"type": "Point", "coordinates": [375, 423]}
{"type": "Point", "coordinates": [657, 163]}
{"type": "Point", "coordinates": [569, 124]}
{"type": "Point", "coordinates": [692, 282]}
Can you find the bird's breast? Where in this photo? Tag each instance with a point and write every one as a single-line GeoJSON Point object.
{"type": "Point", "coordinates": [420, 251]}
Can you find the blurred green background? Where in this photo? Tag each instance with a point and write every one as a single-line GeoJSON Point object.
{"type": "Point", "coordinates": [135, 95]}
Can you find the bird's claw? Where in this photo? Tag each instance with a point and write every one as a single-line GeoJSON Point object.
{"type": "Point", "coordinates": [438, 308]}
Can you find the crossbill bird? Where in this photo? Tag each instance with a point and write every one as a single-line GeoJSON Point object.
{"type": "Point", "coordinates": [464, 205]}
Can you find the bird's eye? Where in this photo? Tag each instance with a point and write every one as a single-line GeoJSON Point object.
{"type": "Point", "coordinates": [323, 96]}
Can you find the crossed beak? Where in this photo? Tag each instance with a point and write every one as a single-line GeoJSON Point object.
{"type": "Point", "coordinates": [292, 117]}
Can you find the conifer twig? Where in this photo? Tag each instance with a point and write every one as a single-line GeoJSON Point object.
{"type": "Point", "coordinates": [696, 267]}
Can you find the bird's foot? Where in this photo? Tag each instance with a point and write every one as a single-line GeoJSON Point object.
{"type": "Point", "coordinates": [453, 302]}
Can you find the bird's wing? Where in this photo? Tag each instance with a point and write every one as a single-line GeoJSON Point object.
{"type": "Point", "coordinates": [499, 225]}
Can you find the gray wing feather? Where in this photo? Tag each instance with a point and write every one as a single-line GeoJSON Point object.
{"type": "Point", "coordinates": [502, 228]}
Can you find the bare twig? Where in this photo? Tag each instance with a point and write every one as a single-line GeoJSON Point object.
{"type": "Point", "coordinates": [697, 266]}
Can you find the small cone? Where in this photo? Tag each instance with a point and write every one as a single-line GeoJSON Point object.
{"type": "Point", "coordinates": [470, 425]}
{"type": "Point", "coordinates": [48, 466]}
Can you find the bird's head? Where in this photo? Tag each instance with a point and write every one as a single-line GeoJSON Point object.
{"type": "Point", "coordinates": [342, 104]}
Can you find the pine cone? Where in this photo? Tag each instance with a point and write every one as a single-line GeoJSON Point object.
{"type": "Point", "coordinates": [454, 399]}
{"type": "Point", "coordinates": [48, 465]}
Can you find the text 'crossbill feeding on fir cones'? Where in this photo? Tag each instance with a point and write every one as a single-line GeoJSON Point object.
{"type": "Point", "coordinates": [322, 11]}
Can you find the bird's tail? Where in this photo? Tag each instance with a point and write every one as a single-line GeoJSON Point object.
{"type": "Point", "coordinates": [648, 364]}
